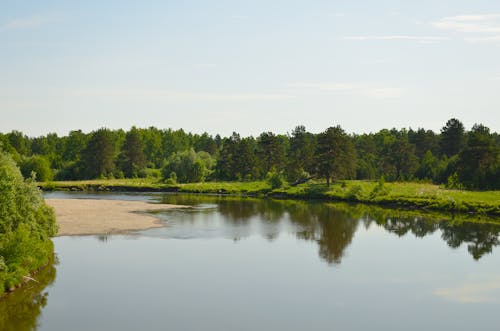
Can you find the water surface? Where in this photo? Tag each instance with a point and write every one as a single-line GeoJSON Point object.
{"type": "Point", "coordinates": [246, 264]}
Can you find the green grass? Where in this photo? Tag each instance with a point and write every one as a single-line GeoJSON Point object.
{"type": "Point", "coordinates": [144, 184]}
{"type": "Point", "coordinates": [246, 188]}
{"type": "Point", "coordinates": [104, 184]}
{"type": "Point", "coordinates": [406, 194]}
{"type": "Point", "coordinates": [415, 195]}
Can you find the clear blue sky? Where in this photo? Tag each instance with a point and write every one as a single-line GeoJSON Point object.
{"type": "Point", "coordinates": [248, 66]}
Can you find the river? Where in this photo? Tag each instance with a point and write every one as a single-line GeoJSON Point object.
{"type": "Point", "coordinates": [249, 264]}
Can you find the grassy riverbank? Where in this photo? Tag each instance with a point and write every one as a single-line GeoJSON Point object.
{"type": "Point", "coordinates": [408, 195]}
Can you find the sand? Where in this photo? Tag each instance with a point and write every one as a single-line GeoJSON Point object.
{"type": "Point", "coordinates": [92, 217]}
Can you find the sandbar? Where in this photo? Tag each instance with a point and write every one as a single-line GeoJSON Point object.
{"type": "Point", "coordinates": [97, 217]}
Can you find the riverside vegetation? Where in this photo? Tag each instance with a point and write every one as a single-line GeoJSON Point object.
{"type": "Point", "coordinates": [418, 168]}
{"type": "Point", "coordinates": [402, 194]}
{"type": "Point", "coordinates": [26, 225]}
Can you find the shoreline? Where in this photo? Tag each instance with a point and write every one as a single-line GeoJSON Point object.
{"type": "Point", "coordinates": [403, 195]}
{"type": "Point", "coordinates": [78, 217]}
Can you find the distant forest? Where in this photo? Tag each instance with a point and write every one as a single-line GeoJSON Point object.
{"type": "Point", "coordinates": [454, 157]}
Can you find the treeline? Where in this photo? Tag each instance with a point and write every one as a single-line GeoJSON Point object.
{"type": "Point", "coordinates": [454, 156]}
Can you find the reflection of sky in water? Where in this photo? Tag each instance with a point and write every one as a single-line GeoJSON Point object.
{"type": "Point", "coordinates": [264, 265]}
{"type": "Point", "coordinates": [473, 290]}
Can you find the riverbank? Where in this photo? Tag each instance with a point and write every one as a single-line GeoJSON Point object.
{"type": "Point", "coordinates": [92, 217]}
{"type": "Point", "coordinates": [406, 195]}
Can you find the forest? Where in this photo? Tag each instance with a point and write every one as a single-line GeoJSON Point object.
{"type": "Point", "coordinates": [455, 157]}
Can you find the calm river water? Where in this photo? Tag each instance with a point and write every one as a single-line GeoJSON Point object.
{"type": "Point", "coordinates": [247, 264]}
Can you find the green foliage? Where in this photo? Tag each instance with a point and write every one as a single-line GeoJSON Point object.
{"type": "Point", "coordinates": [38, 165]}
{"type": "Point", "coordinates": [275, 179]}
{"type": "Point", "coordinates": [380, 190]}
{"type": "Point", "coordinates": [271, 151]}
{"type": "Point", "coordinates": [26, 225]}
{"type": "Point", "coordinates": [20, 142]}
{"type": "Point", "coordinates": [301, 154]}
{"type": "Point", "coordinates": [398, 155]}
{"type": "Point", "coordinates": [424, 141]}
{"type": "Point", "coordinates": [132, 159]}
{"type": "Point", "coordinates": [70, 171]}
{"type": "Point", "coordinates": [74, 144]}
{"type": "Point", "coordinates": [355, 193]}
{"type": "Point", "coordinates": [478, 161]}
{"type": "Point", "coordinates": [335, 155]}
{"type": "Point", "coordinates": [98, 158]}
{"type": "Point", "coordinates": [454, 183]}
{"type": "Point", "coordinates": [405, 194]}
{"type": "Point", "coordinates": [188, 166]}
{"type": "Point", "coordinates": [172, 178]}
{"type": "Point", "coordinates": [237, 159]}
{"type": "Point", "coordinates": [429, 166]}
{"type": "Point", "coordinates": [452, 137]}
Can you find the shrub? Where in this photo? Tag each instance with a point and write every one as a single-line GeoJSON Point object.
{"type": "Point", "coordinates": [172, 178]}
{"type": "Point", "coordinates": [38, 165]}
{"type": "Point", "coordinates": [275, 179]}
{"type": "Point", "coordinates": [189, 166]}
{"type": "Point", "coordinates": [26, 225]}
{"type": "Point", "coordinates": [453, 182]}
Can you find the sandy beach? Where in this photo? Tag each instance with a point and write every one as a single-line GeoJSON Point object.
{"type": "Point", "coordinates": [88, 216]}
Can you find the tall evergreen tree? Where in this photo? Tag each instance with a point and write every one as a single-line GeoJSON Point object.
{"type": "Point", "coordinates": [271, 151]}
{"type": "Point", "coordinates": [335, 155]}
{"type": "Point", "coordinates": [452, 137]}
{"type": "Point", "coordinates": [301, 153]}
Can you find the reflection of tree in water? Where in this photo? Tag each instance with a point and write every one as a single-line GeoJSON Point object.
{"type": "Point", "coordinates": [420, 227]}
{"type": "Point", "coordinates": [480, 238]}
{"type": "Point", "coordinates": [332, 225]}
{"type": "Point", "coordinates": [238, 211]}
{"type": "Point", "coordinates": [103, 238]}
{"type": "Point", "coordinates": [337, 231]}
{"type": "Point", "coordinates": [19, 311]}
{"type": "Point", "coordinates": [333, 229]}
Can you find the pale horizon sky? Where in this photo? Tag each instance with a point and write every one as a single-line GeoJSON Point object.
{"type": "Point", "coordinates": [223, 66]}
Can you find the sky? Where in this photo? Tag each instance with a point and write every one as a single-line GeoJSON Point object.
{"type": "Point", "coordinates": [248, 66]}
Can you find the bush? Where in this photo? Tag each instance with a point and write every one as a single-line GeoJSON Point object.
{"type": "Point", "coordinates": [38, 165]}
{"type": "Point", "coordinates": [454, 183]}
{"type": "Point", "coordinates": [189, 166]}
{"type": "Point", "coordinates": [275, 179]}
{"type": "Point", "coordinates": [172, 178]}
{"type": "Point", "coordinates": [26, 225]}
